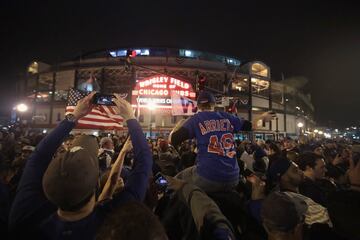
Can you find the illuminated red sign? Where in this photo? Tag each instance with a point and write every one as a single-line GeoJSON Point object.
{"type": "Point", "coordinates": [157, 90]}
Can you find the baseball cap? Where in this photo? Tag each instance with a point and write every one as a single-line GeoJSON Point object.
{"type": "Point", "coordinates": [278, 169]}
{"type": "Point", "coordinates": [206, 97]}
{"type": "Point", "coordinates": [280, 213]}
{"type": "Point", "coordinates": [72, 176]}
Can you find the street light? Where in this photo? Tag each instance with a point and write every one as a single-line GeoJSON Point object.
{"type": "Point", "coordinates": [316, 131]}
{"type": "Point", "coordinates": [300, 125]}
{"type": "Point", "coordinates": [22, 107]}
{"type": "Point", "coordinates": [321, 132]}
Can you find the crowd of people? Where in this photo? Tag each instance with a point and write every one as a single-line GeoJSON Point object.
{"type": "Point", "coordinates": [197, 183]}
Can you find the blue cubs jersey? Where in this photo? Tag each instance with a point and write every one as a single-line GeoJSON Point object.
{"type": "Point", "coordinates": [214, 133]}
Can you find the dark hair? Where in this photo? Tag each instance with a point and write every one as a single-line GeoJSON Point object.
{"type": "Point", "coordinates": [128, 158]}
{"type": "Point", "coordinates": [259, 165]}
{"type": "Point", "coordinates": [124, 222]}
{"type": "Point", "coordinates": [307, 159]}
{"type": "Point", "coordinates": [79, 205]}
{"type": "Point", "coordinates": [206, 106]}
{"type": "Point", "coordinates": [275, 148]}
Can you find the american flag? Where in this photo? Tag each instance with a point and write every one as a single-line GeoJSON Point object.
{"type": "Point", "coordinates": [101, 116]}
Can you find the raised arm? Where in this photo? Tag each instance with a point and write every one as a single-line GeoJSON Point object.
{"type": "Point", "coordinates": [112, 180]}
{"type": "Point", "coordinates": [137, 182]}
{"type": "Point", "coordinates": [179, 133]}
{"type": "Point", "coordinates": [30, 205]}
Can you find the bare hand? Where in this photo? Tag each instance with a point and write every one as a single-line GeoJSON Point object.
{"type": "Point", "coordinates": [127, 146]}
{"type": "Point", "coordinates": [174, 183]}
{"type": "Point", "coordinates": [258, 187]}
{"type": "Point", "coordinates": [337, 160]}
{"type": "Point", "coordinates": [123, 108]}
{"type": "Point", "coordinates": [83, 106]}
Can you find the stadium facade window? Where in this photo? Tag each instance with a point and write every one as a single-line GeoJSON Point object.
{"type": "Point", "coordinates": [188, 53]}
{"type": "Point", "coordinates": [64, 81]}
{"type": "Point", "coordinates": [260, 69]}
{"type": "Point", "coordinates": [259, 85]}
{"type": "Point", "coordinates": [240, 84]}
{"type": "Point", "coordinates": [232, 61]}
{"type": "Point", "coordinates": [122, 52]}
{"type": "Point", "coordinates": [30, 85]}
{"type": "Point", "coordinates": [43, 96]}
{"type": "Point", "coordinates": [45, 82]}
{"type": "Point", "coordinates": [61, 95]}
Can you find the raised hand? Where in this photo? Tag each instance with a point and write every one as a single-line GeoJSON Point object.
{"type": "Point", "coordinates": [123, 107]}
{"type": "Point", "coordinates": [83, 106]}
{"type": "Point", "coordinates": [174, 183]}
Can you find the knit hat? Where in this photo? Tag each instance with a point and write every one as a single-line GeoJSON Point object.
{"type": "Point", "coordinates": [71, 178]}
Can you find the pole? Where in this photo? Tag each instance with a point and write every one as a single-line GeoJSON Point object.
{"type": "Point", "coordinates": [284, 101]}
{"type": "Point", "coordinates": [277, 128]}
{"type": "Point", "coordinates": [150, 127]}
{"type": "Point", "coordinates": [270, 104]}
{"type": "Point", "coordinates": [250, 105]}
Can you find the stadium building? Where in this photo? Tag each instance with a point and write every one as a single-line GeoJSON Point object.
{"type": "Point", "coordinates": [148, 80]}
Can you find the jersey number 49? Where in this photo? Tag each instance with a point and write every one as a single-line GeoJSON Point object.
{"type": "Point", "coordinates": [224, 147]}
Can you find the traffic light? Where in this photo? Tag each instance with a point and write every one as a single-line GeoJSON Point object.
{"type": "Point", "coordinates": [129, 54]}
{"type": "Point", "coordinates": [201, 82]}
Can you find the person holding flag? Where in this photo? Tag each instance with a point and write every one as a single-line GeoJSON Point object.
{"type": "Point", "coordinates": [216, 166]}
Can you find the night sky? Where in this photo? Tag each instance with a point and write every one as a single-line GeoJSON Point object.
{"type": "Point", "coordinates": [319, 41]}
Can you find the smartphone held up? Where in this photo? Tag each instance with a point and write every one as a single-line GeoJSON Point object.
{"type": "Point", "coordinates": [161, 182]}
{"type": "Point", "coordinates": [103, 99]}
